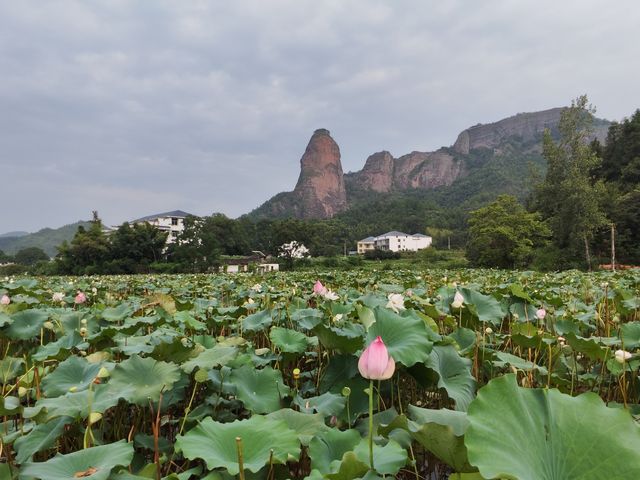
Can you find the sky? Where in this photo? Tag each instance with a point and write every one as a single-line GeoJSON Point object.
{"type": "Point", "coordinates": [133, 107]}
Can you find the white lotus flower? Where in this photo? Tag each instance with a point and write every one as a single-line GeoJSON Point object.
{"type": "Point", "coordinates": [257, 287]}
{"type": "Point", "coordinates": [58, 297]}
{"type": "Point", "coordinates": [330, 295]}
{"type": "Point", "coordinates": [396, 302]}
{"type": "Point", "coordinates": [458, 300]}
{"type": "Point", "coordinates": [622, 356]}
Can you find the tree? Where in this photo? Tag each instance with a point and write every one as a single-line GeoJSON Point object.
{"type": "Point", "coordinates": [133, 248]}
{"type": "Point", "coordinates": [30, 256]}
{"type": "Point", "coordinates": [4, 258]}
{"type": "Point", "coordinates": [289, 252]}
{"type": "Point", "coordinates": [503, 234]}
{"type": "Point", "coordinates": [569, 197]}
{"type": "Point", "coordinates": [87, 252]}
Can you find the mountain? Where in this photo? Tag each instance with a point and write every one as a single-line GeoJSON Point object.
{"type": "Point", "coordinates": [13, 234]}
{"type": "Point", "coordinates": [320, 191]}
{"type": "Point", "coordinates": [483, 162]}
{"type": "Point", "coordinates": [47, 239]}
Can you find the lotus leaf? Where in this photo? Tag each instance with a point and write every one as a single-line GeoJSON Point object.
{"type": "Point", "coordinates": [539, 434]}
{"type": "Point", "coordinates": [262, 437]}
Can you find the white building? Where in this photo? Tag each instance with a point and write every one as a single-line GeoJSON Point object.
{"type": "Point", "coordinates": [396, 242]}
{"type": "Point", "coordinates": [366, 244]}
{"type": "Point", "coordinates": [170, 222]}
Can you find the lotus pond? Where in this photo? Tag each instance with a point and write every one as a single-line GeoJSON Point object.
{"type": "Point", "coordinates": [511, 375]}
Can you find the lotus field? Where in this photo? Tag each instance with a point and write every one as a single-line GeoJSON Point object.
{"type": "Point", "coordinates": [469, 374]}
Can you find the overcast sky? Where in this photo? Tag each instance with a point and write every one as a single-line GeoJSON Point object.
{"type": "Point", "coordinates": [138, 107]}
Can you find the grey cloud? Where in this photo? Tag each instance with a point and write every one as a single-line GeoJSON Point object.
{"type": "Point", "coordinates": [135, 107]}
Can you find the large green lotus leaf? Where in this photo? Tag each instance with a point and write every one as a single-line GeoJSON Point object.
{"type": "Point", "coordinates": [10, 368]}
{"type": "Point", "coordinates": [5, 319]}
{"type": "Point", "coordinates": [588, 346]}
{"type": "Point", "coordinates": [212, 357]}
{"type": "Point", "coordinates": [79, 404]}
{"type": "Point", "coordinates": [143, 378]}
{"type": "Point", "coordinates": [387, 459]}
{"type": "Point", "coordinates": [485, 307]}
{"type": "Point", "coordinates": [405, 337]}
{"type": "Point", "coordinates": [325, 404]}
{"type": "Point", "coordinates": [305, 425]}
{"type": "Point", "coordinates": [26, 324]}
{"type": "Point", "coordinates": [630, 335]}
{"type": "Point", "coordinates": [505, 358]}
{"type": "Point", "coordinates": [74, 374]}
{"type": "Point", "coordinates": [453, 374]}
{"type": "Point", "coordinates": [9, 405]}
{"type": "Point", "coordinates": [307, 318]}
{"type": "Point", "coordinates": [287, 340]}
{"type": "Point", "coordinates": [439, 431]}
{"type": "Point", "coordinates": [215, 443]}
{"type": "Point", "coordinates": [340, 369]}
{"type": "Point", "coordinates": [118, 313]}
{"type": "Point", "coordinates": [257, 321]}
{"type": "Point", "coordinates": [327, 449]}
{"type": "Point", "coordinates": [526, 312]}
{"type": "Point", "coordinates": [94, 463]}
{"type": "Point", "coordinates": [261, 391]}
{"type": "Point", "coordinates": [52, 349]}
{"type": "Point", "coordinates": [539, 434]}
{"type": "Point", "coordinates": [465, 338]}
{"type": "Point", "coordinates": [40, 438]}
{"type": "Point", "coordinates": [346, 339]}
{"type": "Point", "coordinates": [189, 321]}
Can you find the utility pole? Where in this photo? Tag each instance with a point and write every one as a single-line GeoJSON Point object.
{"type": "Point", "coordinates": [613, 247]}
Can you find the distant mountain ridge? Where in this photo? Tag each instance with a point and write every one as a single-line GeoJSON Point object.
{"type": "Point", "coordinates": [13, 234]}
{"type": "Point", "coordinates": [47, 239]}
{"type": "Point", "coordinates": [478, 150]}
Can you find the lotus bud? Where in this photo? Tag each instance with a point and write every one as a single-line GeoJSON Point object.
{"type": "Point", "coordinates": [488, 331]}
{"type": "Point", "coordinates": [622, 356]}
{"type": "Point", "coordinates": [58, 297]}
{"type": "Point", "coordinates": [80, 298]}
{"type": "Point", "coordinates": [458, 300]}
{"type": "Point", "coordinates": [375, 363]}
{"type": "Point", "coordinates": [541, 313]}
{"type": "Point", "coordinates": [184, 341]}
{"type": "Point", "coordinates": [5, 300]}
{"type": "Point", "coordinates": [83, 321]}
{"type": "Point", "coordinates": [103, 373]}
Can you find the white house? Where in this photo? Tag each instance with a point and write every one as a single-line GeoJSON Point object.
{"type": "Point", "coordinates": [170, 222]}
{"type": "Point", "coordinates": [396, 242]}
{"type": "Point", "coordinates": [366, 244]}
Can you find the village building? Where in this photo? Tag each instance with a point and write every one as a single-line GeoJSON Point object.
{"type": "Point", "coordinates": [170, 222]}
{"type": "Point", "coordinates": [395, 241]}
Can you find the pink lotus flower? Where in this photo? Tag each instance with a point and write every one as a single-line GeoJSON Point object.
{"type": "Point", "coordinates": [319, 289]}
{"type": "Point", "coordinates": [80, 298]}
{"type": "Point", "coordinates": [541, 313]}
{"type": "Point", "coordinates": [375, 363]}
{"type": "Point", "coordinates": [5, 300]}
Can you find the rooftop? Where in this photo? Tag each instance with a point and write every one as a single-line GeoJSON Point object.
{"type": "Point", "coordinates": [174, 213]}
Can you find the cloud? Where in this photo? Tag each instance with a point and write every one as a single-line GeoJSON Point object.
{"type": "Point", "coordinates": [125, 107]}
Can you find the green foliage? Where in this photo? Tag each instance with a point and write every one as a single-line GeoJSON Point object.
{"type": "Point", "coordinates": [504, 235]}
{"type": "Point", "coordinates": [48, 239]}
{"type": "Point", "coordinates": [568, 198]}
{"type": "Point", "coordinates": [30, 256]}
{"type": "Point", "coordinates": [560, 444]}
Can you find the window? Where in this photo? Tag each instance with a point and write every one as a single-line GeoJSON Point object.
{"type": "Point", "coordinates": [174, 221]}
{"type": "Point", "coordinates": [174, 234]}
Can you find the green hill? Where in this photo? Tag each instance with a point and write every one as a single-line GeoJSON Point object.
{"type": "Point", "coordinates": [47, 239]}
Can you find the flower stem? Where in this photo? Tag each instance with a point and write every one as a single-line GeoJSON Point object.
{"type": "Point", "coordinates": [371, 424]}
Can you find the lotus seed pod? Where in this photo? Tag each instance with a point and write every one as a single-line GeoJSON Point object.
{"type": "Point", "coordinates": [201, 376]}
{"type": "Point", "coordinates": [488, 331]}
{"type": "Point", "coordinates": [346, 391]}
{"type": "Point", "coordinates": [103, 373]}
{"type": "Point", "coordinates": [296, 373]}
{"type": "Point", "coordinates": [22, 391]}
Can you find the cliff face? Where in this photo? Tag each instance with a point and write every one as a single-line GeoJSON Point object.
{"type": "Point", "coordinates": [527, 126]}
{"type": "Point", "coordinates": [320, 191]}
{"type": "Point", "coordinates": [320, 187]}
